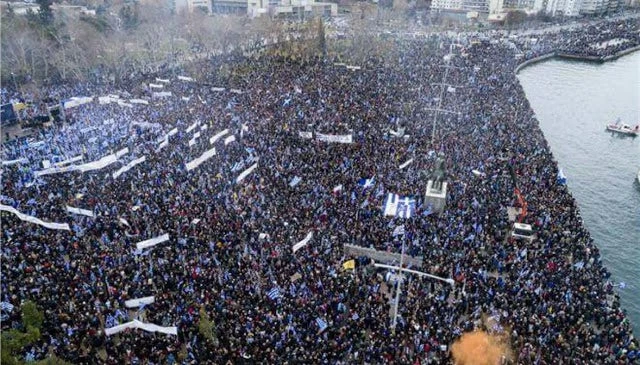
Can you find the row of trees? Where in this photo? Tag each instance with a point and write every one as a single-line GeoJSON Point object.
{"type": "Point", "coordinates": [49, 46]}
{"type": "Point", "coordinates": [15, 340]}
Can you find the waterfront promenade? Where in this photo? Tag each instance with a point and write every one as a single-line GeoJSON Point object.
{"type": "Point", "coordinates": [229, 278]}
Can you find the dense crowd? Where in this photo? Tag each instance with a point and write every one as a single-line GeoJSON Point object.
{"type": "Point", "coordinates": [231, 242]}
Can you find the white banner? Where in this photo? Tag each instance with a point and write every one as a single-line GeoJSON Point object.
{"type": "Point", "coordinates": [302, 243]}
{"type": "Point", "coordinates": [135, 324]}
{"type": "Point", "coordinates": [166, 81]}
{"type": "Point", "coordinates": [213, 139]}
{"type": "Point", "coordinates": [161, 94]}
{"type": "Point", "coordinates": [134, 303]}
{"type": "Point", "coordinates": [28, 218]}
{"type": "Point", "coordinates": [198, 161]}
{"type": "Point", "coordinates": [192, 127]}
{"type": "Point", "coordinates": [172, 132]}
{"type": "Point", "coordinates": [96, 165]}
{"type": "Point", "coordinates": [406, 164]}
{"type": "Point", "coordinates": [218, 89]}
{"type": "Point", "coordinates": [162, 145]}
{"type": "Point", "coordinates": [185, 78]}
{"type": "Point", "coordinates": [306, 135]}
{"type": "Point", "coordinates": [128, 166]}
{"type": "Point", "coordinates": [13, 162]}
{"type": "Point", "coordinates": [184, 98]}
{"type": "Point", "coordinates": [156, 86]}
{"type": "Point", "coordinates": [90, 166]}
{"type": "Point", "coordinates": [246, 172]}
{"type": "Point", "coordinates": [66, 162]}
{"type": "Point", "coordinates": [79, 211]}
{"type": "Point", "coordinates": [236, 91]}
{"type": "Point", "coordinates": [152, 242]}
{"type": "Point", "coordinates": [122, 152]}
{"type": "Point", "coordinates": [347, 138]}
{"type": "Point", "coordinates": [122, 103]}
{"type": "Point", "coordinates": [76, 101]}
{"type": "Point", "coordinates": [108, 99]}
{"type": "Point", "coordinates": [229, 139]}
{"type": "Point", "coordinates": [146, 124]}
{"type": "Point", "coordinates": [138, 101]}
{"type": "Point", "coordinates": [55, 170]}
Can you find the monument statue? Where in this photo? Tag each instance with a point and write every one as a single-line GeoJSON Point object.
{"type": "Point", "coordinates": [438, 175]}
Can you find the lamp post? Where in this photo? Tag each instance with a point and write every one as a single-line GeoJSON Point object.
{"type": "Point", "coordinates": [398, 288]}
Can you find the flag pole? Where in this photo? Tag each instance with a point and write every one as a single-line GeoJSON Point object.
{"type": "Point", "coordinates": [395, 309]}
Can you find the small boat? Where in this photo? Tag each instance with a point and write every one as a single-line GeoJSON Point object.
{"type": "Point", "coordinates": [624, 129]}
{"type": "Point", "coordinates": [638, 177]}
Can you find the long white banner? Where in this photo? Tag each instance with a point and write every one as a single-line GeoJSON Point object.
{"type": "Point", "coordinates": [161, 94]}
{"type": "Point", "coordinates": [90, 166]}
{"type": "Point", "coordinates": [122, 152]}
{"type": "Point", "coordinates": [101, 163]}
{"type": "Point", "coordinates": [149, 327]}
{"type": "Point", "coordinates": [66, 162]}
{"type": "Point", "coordinates": [79, 211]}
{"type": "Point", "coordinates": [347, 138]}
{"type": "Point", "coordinates": [302, 243]}
{"type": "Point", "coordinates": [13, 162]}
{"type": "Point", "coordinates": [229, 139]}
{"type": "Point", "coordinates": [134, 303]}
{"type": "Point", "coordinates": [199, 160]}
{"type": "Point", "coordinates": [219, 135]}
{"type": "Point", "coordinates": [28, 218]}
{"type": "Point", "coordinates": [128, 166]}
{"type": "Point", "coordinates": [139, 101]}
{"type": "Point", "coordinates": [152, 242]}
{"type": "Point", "coordinates": [246, 173]}
{"type": "Point", "coordinates": [192, 127]}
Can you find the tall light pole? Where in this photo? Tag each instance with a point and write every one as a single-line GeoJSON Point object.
{"type": "Point", "coordinates": [397, 302]}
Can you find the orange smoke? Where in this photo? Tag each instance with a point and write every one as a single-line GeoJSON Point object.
{"type": "Point", "coordinates": [478, 348]}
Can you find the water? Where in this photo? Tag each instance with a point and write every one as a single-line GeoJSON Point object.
{"type": "Point", "coordinates": [573, 101]}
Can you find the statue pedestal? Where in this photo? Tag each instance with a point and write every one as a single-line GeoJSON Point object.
{"type": "Point", "coordinates": [437, 198]}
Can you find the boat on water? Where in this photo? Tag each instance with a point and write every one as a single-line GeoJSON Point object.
{"type": "Point", "coordinates": [638, 177]}
{"type": "Point", "coordinates": [623, 129]}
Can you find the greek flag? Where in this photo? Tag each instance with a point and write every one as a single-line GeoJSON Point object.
{"type": "Point", "coordinates": [406, 208]}
{"type": "Point", "coordinates": [322, 324]}
{"type": "Point", "coordinates": [367, 183]}
{"type": "Point", "coordinates": [6, 306]}
{"type": "Point", "coordinates": [295, 181]}
{"type": "Point", "coordinates": [398, 231]}
{"type": "Point", "coordinates": [237, 166]}
{"type": "Point", "coordinates": [274, 293]}
{"type": "Point", "coordinates": [391, 205]}
{"type": "Point", "coordinates": [562, 179]}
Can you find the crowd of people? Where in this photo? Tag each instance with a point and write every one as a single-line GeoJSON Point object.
{"type": "Point", "coordinates": [229, 258]}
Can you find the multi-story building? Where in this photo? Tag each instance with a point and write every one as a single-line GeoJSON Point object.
{"type": "Point", "coordinates": [190, 5]}
{"type": "Point", "coordinates": [454, 5]}
{"type": "Point", "coordinates": [564, 7]}
{"type": "Point", "coordinates": [284, 8]}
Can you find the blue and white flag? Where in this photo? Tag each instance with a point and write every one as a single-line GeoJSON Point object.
{"type": "Point", "coordinates": [237, 166]}
{"type": "Point", "coordinates": [6, 306]}
{"type": "Point", "coordinates": [274, 293]}
{"type": "Point", "coordinates": [406, 208]}
{"type": "Point", "coordinates": [390, 207]}
{"type": "Point", "coordinates": [367, 183]}
{"type": "Point", "coordinates": [399, 230]}
{"type": "Point", "coordinates": [322, 324]}
{"type": "Point", "coordinates": [561, 179]}
{"type": "Point", "coordinates": [295, 181]}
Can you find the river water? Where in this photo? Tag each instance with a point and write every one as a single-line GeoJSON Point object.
{"type": "Point", "coordinates": [573, 101]}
